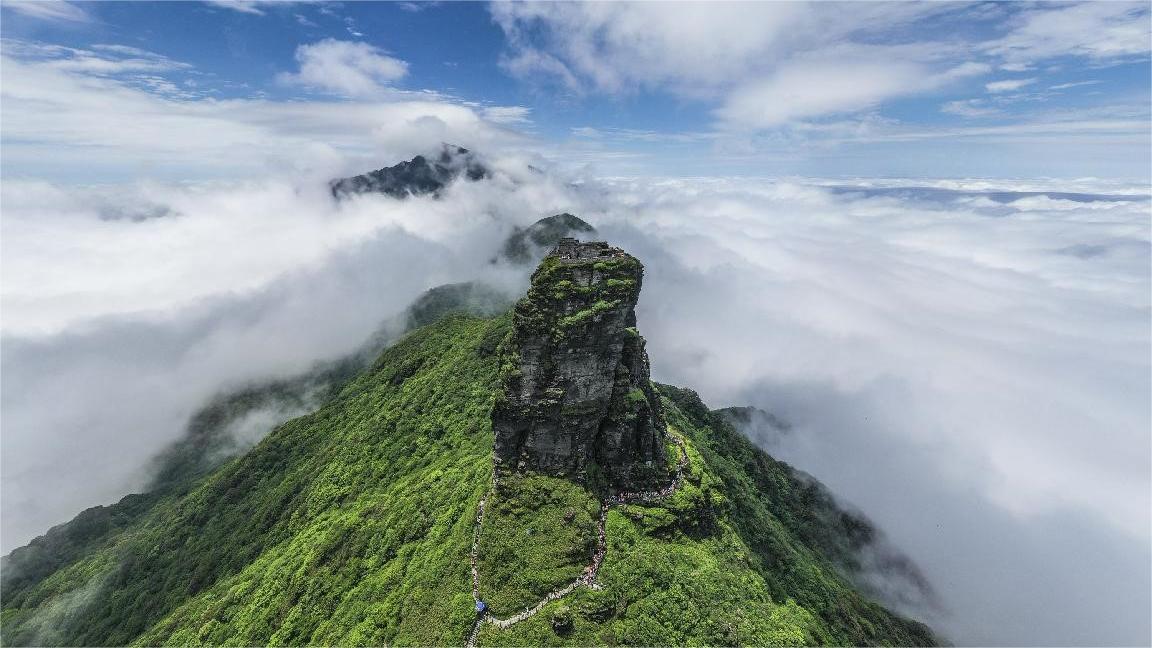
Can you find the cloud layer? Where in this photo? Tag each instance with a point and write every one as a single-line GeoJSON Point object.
{"type": "Point", "coordinates": [127, 310]}
{"type": "Point", "coordinates": [966, 361]}
{"type": "Point", "coordinates": [968, 365]}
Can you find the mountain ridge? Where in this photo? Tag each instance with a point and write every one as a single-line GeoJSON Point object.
{"type": "Point", "coordinates": [418, 176]}
{"type": "Point", "coordinates": [356, 524]}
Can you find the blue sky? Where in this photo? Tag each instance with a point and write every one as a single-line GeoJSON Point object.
{"type": "Point", "coordinates": [825, 89]}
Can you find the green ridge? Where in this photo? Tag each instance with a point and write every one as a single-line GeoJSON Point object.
{"type": "Point", "coordinates": [352, 525]}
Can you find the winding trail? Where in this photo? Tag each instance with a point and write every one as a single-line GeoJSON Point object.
{"type": "Point", "coordinates": [587, 578]}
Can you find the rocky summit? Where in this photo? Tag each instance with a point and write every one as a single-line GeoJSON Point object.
{"type": "Point", "coordinates": [417, 176]}
{"type": "Point", "coordinates": [577, 401]}
{"type": "Point", "coordinates": [530, 244]}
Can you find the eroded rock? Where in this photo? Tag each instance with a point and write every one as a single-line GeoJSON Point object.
{"type": "Point", "coordinates": [577, 400]}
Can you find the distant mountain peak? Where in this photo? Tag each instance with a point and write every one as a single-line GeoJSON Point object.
{"type": "Point", "coordinates": [418, 176]}
{"type": "Point", "coordinates": [529, 244]}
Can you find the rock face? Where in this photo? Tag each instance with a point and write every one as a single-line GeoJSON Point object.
{"type": "Point", "coordinates": [577, 401]}
{"type": "Point", "coordinates": [414, 177]}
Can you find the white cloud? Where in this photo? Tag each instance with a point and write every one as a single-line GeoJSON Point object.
{"type": "Point", "coordinates": [51, 10]}
{"type": "Point", "coordinates": [62, 118]}
{"type": "Point", "coordinates": [1095, 30]}
{"type": "Point", "coordinates": [612, 46]}
{"type": "Point", "coordinates": [970, 108]}
{"type": "Point", "coordinates": [160, 302]}
{"type": "Point", "coordinates": [1008, 85]}
{"type": "Point", "coordinates": [941, 356]}
{"type": "Point", "coordinates": [417, 7]}
{"type": "Point", "coordinates": [839, 80]}
{"type": "Point", "coordinates": [346, 68]}
{"type": "Point", "coordinates": [246, 6]}
{"type": "Point", "coordinates": [506, 114]}
{"type": "Point", "coordinates": [696, 50]}
{"type": "Point", "coordinates": [768, 64]}
{"type": "Point", "coordinates": [1076, 84]}
{"type": "Point", "coordinates": [771, 66]}
{"type": "Point", "coordinates": [101, 59]}
{"type": "Point", "coordinates": [587, 131]}
{"type": "Point", "coordinates": [812, 89]}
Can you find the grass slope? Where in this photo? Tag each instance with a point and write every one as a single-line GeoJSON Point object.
{"type": "Point", "coordinates": [352, 526]}
{"type": "Point", "coordinates": [345, 526]}
{"type": "Point", "coordinates": [538, 534]}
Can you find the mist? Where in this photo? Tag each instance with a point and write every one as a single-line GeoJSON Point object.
{"type": "Point", "coordinates": [116, 330]}
{"type": "Point", "coordinates": [952, 364]}
{"type": "Point", "coordinates": [968, 366]}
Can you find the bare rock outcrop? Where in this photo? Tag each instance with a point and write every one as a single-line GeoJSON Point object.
{"type": "Point", "coordinates": [577, 401]}
{"type": "Point", "coordinates": [417, 176]}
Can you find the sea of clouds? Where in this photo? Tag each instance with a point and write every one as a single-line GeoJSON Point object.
{"type": "Point", "coordinates": [965, 361]}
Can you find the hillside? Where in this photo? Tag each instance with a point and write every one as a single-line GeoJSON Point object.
{"type": "Point", "coordinates": [355, 524]}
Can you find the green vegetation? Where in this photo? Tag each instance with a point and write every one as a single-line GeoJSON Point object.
{"type": "Point", "coordinates": [618, 266]}
{"type": "Point", "coordinates": [584, 316]}
{"type": "Point", "coordinates": [553, 287]}
{"type": "Point", "coordinates": [636, 395]}
{"type": "Point", "coordinates": [352, 525]}
{"type": "Point", "coordinates": [801, 541]}
{"type": "Point", "coordinates": [538, 534]}
{"type": "Point", "coordinates": [687, 571]}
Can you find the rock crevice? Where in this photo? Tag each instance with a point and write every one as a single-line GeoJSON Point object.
{"type": "Point", "coordinates": [577, 401]}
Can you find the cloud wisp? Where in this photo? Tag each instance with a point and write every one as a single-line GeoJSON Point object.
{"type": "Point", "coordinates": [49, 10]}
{"type": "Point", "coordinates": [346, 68]}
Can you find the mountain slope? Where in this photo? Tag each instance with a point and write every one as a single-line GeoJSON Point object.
{"type": "Point", "coordinates": [353, 525]}
{"type": "Point", "coordinates": [345, 526]}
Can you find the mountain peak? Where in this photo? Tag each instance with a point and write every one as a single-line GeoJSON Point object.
{"type": "Point", "coordinates": [577, 401]}
{"type": "Point", "coordinates": [417, 176]}
{"type": "Point", "coordinates": [529, 244]}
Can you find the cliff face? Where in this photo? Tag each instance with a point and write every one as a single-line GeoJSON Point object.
{"type": "Point", "coordinates": [577, 401]}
